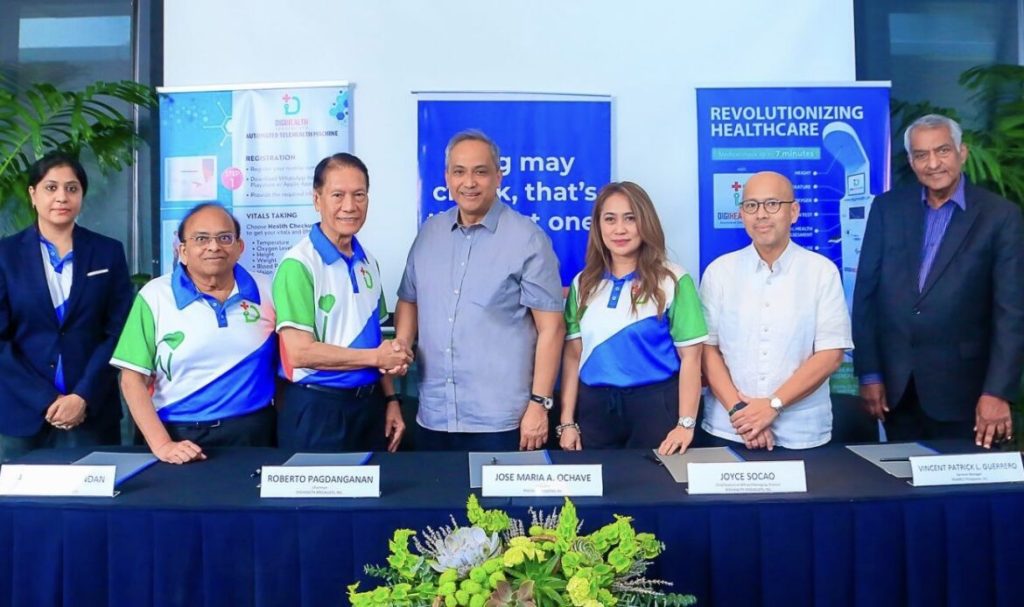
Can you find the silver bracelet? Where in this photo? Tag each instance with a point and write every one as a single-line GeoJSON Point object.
{"type": "Point", "coordinates": [560, 427]}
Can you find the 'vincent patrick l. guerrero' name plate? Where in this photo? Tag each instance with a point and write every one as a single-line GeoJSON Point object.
{"type": "Point", "coordinates": [531, 481]}
{"type": "Point", "coordinates": [747, 477]}
{"type": "Point", "coordinates": [320, 481]}
{"type": "Point", "coordinates": [967, 469]}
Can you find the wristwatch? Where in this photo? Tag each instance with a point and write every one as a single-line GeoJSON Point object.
{"type": "Point", "coordinates": [547, 401]}
{"type": "Point", "coordinates": [776, 403]}
{"type": "Point", "coordinates": [687, 422]}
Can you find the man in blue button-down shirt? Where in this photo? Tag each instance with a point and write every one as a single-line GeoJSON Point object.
{"type": "Point", "coordinates": [938, 309]}
{"type": "Point", "coordinates": [482, 288]}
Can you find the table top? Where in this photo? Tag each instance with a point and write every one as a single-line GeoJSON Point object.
{"type": "Point", "coordinates": [440, 480]}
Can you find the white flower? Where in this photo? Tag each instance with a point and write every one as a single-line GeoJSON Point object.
{"type": "Point", "coordinates": [463, 549]}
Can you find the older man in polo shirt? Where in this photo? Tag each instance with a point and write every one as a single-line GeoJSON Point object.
{"type": "Point", "coordinates": [482, 288]}
{"type": "Point", "coordinates": [330, 305]}
{"type": "Point", "coordinates": [198, 354]}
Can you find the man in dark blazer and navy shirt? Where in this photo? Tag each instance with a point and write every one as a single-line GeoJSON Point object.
{"type": "Point", "coordinates": [938, 309]}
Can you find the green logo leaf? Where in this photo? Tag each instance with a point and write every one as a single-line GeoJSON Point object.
{"type": "Point", "coordinates": [173, 340]}
{"type": "Point", "coordinates": [326, 303]}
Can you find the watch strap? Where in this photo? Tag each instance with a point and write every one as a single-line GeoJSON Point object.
{"type": "Point", "coordinates": [737, 408]}
{"type": "Point", "coordinates": [546, 401]}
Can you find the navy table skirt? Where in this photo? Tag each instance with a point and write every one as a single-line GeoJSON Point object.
{"type": "Point", "coordinates": [199, 535]}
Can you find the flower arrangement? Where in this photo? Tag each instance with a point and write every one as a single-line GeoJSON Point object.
{"type": "Point", "coordinates": [498, 561]}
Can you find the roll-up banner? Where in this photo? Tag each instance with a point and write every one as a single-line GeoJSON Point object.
{"type": "Point", "coordinates": [831, 141]}
{"type": "Point", "coordinates": [251, 148]}
{"type": "Point", "coordinates": [555, 154]}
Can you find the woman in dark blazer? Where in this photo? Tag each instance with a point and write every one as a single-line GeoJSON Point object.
{"type": "Point", "coordinates": [64, 297]}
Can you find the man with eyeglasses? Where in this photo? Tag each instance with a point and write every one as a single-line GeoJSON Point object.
{"type": "Point", "coordinates": [198, 354]}
{"type": "Point", "coordinates": [777, 329]}
{"type": "Point", "coordinates": [938, 308]}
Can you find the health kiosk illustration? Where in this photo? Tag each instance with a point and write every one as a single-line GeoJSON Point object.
{"type": "Point", "coordinates": [844, 145]}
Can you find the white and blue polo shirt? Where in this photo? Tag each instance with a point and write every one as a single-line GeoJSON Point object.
{"type": "Point", "coordinates": [59, 277]}
{"type": "Point", "coordinates": [209, 360]}
{"type": "Point", "coordinates": [335, 297]}
{"type": "Point", "coordinates": [623, 348]}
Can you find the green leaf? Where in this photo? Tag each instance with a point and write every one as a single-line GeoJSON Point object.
{"type": "Point", "coordinates": [40, 118]}
{"type": "Point", "coordinates": [326, 303]}
{"type": "Point", "coordinates": [491, 521]}
{"type": "Point", "coordinates": [173, 340]}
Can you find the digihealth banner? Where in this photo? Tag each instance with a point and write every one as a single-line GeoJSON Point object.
{"type": "Point", "coordinates": [832, 142]}
{"type": "Point", "coordinates": [555, 156]}
{"type": "Point", "coordinates": [252, 149]}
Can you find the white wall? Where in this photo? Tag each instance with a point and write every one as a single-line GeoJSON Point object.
{"type": "Point", "coordinates": [649, 55]}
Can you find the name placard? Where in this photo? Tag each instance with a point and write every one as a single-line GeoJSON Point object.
{"type": "Point", "coordinates": [967, 469]}
{"type": "Point", "coordinates": [520, 481]}
{"type": "Point", "coordinates": [57, 480]}
{"type": "Point", "coordinates": [320, 481]}
{"type": "Point", "coordinates": [747, 477]}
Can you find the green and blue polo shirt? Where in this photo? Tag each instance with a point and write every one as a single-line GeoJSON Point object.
{"type": "Point", "coordinates": [208, 360]}
{"type": "Point", "coordinates": [624, 349]}
{"type": "Point", "coordinates": [335, 297]}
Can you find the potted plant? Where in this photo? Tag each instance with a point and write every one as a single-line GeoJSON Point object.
{"type": "Point", "coordinates": [498, 561]}
{"type": "Point", "coordinates": [994, 135]}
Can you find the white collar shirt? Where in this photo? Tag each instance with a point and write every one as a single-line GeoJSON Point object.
{"type": "Point", "coordinates": [767, 321]}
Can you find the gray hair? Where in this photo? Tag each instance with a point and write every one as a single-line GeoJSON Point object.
{"type": "Point", "coordinates": [934, 121]}
{"type": "Point", "coordinates": [471, 135]}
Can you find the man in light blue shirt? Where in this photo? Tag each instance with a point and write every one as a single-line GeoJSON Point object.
{"type": "Point", "coordinates": [482, 288]}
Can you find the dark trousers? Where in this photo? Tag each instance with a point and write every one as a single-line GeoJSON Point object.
{"type": "Point", "coordinates": [316, 418]}
{"type": "Point", "coordinates": [87, 434]}
{"type": "Point", "coordinates": [633, 418]}
{"type": "Point", "coordinates": [254, 429]}
{"type": "Point", "coordinates": [434, 440]}
{"type": "Point", "coordinates": [907, 421]}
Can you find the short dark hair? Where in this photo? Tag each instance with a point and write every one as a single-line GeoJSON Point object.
{"type": "Point", "coordinates": [342, 159]}
{"type": "Point", "coordinates": [200, 207]}
{"type": "Point", "coordinates": [53, 160]}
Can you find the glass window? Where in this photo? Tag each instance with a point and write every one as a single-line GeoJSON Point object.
{"type": "Point", "coordinates": [70, 45]}
{"type": "Point", "coordinates": [923, 46]}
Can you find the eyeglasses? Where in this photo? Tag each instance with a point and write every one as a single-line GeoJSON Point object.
{"type": "Point", "coordinates": [771, 205]}
{"type": "Point", "coordinates": [225, 240]}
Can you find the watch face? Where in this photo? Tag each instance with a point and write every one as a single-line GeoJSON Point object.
{"type": "Point", "coordinates": [686, 422]}
{"type": "Point", "coordinates": [546, 401]}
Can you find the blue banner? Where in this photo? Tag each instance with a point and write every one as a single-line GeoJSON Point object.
{"type": "Point", "coordinates": [252, 150]}
{"type": "Point", "coordinates": [833, 144]}
{"type": "Point", "coordinates": [555, 156]}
